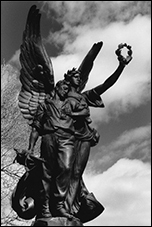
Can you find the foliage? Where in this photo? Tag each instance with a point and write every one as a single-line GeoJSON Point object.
{"type": "Point", "coordinates": [14, 134]}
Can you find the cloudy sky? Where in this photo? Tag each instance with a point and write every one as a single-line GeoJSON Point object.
{"type": "Point", "coordinates": [118, 171]}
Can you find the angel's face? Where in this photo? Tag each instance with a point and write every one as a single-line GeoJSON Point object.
{"type": "Point", "coordinates": [75, 80]}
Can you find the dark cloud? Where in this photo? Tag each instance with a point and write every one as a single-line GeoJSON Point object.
{"type": "Point", "coordinates": [133, 144]}
{"type": "Point", "coordinates": [96, 12]}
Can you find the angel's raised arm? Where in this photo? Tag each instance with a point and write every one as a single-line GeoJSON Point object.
{"type": "Point", "coordinates": [114, 77]}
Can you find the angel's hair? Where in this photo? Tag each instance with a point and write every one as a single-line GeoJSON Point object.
{"type": "Point", "coordinates": [70, 73]}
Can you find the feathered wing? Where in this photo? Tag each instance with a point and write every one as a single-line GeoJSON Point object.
{"type": "Point", "coordinates": [36, 74]}
{"type": "Point", "coordinates": [87, 64]}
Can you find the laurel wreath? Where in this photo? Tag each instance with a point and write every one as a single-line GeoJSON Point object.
{"type": "Point", "coordinates": [121, 58]}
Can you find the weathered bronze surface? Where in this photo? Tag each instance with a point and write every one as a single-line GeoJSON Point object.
{"type": "Point", "coordinates": [52, 189]}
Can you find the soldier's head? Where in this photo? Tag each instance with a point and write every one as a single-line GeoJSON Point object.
{"type": "Point", "coordinates": [62, 88]}
{"type": "Point", "coordinates": [73, 77]}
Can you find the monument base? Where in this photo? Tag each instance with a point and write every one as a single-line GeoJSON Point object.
{"type": "Point", "coordinates": [57, 221]}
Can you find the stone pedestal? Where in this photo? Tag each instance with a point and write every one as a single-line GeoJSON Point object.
{"type": "Point", "coordinates": [57, 221]}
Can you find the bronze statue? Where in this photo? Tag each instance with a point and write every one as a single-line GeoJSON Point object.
{"type": "Point", "coordinates": [57, 130]}
{"type": "Point", "coordinates": [53, 186]}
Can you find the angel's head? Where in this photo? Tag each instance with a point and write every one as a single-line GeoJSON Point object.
{"type": "Point", "coordinates": [62, 88]}
{"type": "Point", "coordinates": [73, 77]}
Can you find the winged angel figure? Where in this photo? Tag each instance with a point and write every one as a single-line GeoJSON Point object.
{"type": "Point", "coordinates": [53, 185]}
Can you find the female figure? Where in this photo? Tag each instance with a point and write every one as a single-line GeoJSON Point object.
{"type": "Point", "coordinates": [86, 137]}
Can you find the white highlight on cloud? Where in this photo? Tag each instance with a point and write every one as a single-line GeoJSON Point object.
{"type": "Point", "coordinates": [125, 191]}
